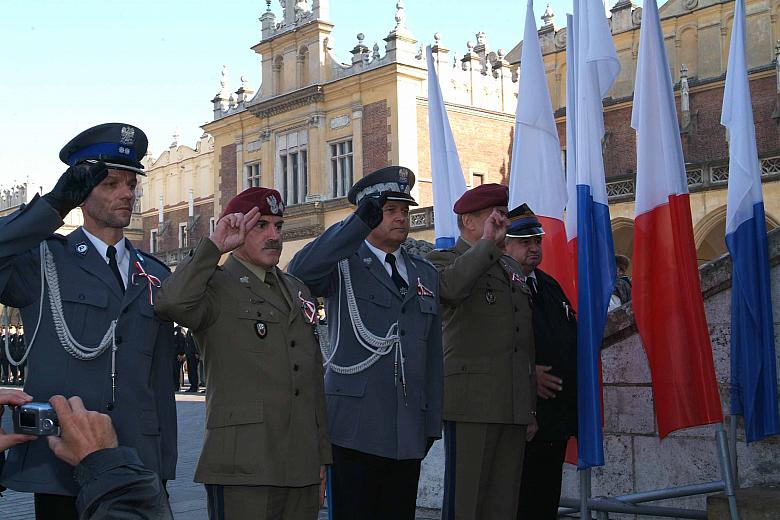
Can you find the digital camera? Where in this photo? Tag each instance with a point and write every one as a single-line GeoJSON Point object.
{"type": "Point", "coordinates": [36, 419]}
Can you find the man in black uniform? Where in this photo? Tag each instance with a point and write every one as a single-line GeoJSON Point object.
{"type": "Point", "coordinates": [178, 341]}
{"type": "Point", "coordinates": [193, 359]}
{"type": "Point", "coordinates": [17, 352]}
{"type": "Point", "coordinates": [555, 336]}
{"type": "Point", "coordinates": [5, 370]}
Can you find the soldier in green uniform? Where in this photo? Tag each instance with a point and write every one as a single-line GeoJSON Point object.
{"type": "Point", "coordinates": [266, 444]}
{"type": "Point", "coordinates": [489, 382]}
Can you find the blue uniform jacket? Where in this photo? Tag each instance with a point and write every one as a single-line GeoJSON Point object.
{"type": "Point", "coordinates": [367, 411]}
{"type": "Point", "coordinates": [145, 411]}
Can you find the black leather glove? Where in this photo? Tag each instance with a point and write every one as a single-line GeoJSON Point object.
{"type": "Point", "coordinates": [370, 210]}
{"type": "Point", "coordinates": [74, 186]}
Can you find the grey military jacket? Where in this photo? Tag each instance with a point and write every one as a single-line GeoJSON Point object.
{"type": "Point", "coordinates": [489, 374]}
{"type": "Point", "coordinates": [144, 414]}
{"type": "Point", "coordinates": [368, 411]}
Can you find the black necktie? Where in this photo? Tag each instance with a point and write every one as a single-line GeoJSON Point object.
{"type": "Point", "coordinates": [531, 281]}
{"type": "Point", "coordinates": [396, 276]}
{"type": "Point", "coordinates": [111, 254]}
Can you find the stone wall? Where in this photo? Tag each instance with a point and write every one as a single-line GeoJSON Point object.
{"type": "Point", "coordinates": [636, 459]}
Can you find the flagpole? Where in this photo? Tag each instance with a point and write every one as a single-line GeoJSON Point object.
{"type": "Point", "coordinates": [584, 492]}
{"type": "Point", "coordinates": [726, 471]}
{"type": "Point", "coordinates": [733, 448]}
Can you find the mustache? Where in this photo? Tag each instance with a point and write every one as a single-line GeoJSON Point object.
{"type": "Point", "coordinates": [273, 244]}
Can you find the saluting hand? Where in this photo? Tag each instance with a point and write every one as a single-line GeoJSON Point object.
{"type": "Point", "coordinates": [230, 231]}
{"type": "Point", "coordinates": [495, 227]}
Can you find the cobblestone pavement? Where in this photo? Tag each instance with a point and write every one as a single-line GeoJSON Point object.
{"type": "Point", "coordinates": [188, 499]}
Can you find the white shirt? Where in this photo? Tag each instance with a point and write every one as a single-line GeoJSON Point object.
{"type": "Point", "coordinates": [122, 254]}
{"type": "Point", "coordinates": [399, 261]}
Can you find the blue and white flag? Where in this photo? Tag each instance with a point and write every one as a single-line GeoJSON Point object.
{"type": "Point", "coordinates": [753, 371]}
{"type": "Point", "coordinates": [597, 67]}
{"type": "Point", "coordinates": [448, 183]}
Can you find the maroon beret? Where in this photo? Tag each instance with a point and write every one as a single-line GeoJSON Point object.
{"type": "Point", "coordinates": [267, 199]}
{"type": "Point", "coordinates": [483, 196]}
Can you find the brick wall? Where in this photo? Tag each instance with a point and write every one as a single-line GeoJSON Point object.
{"type": "Point", "coordinates": [170, 239]}
{"type": "Point", "coordinates": [484, 145]}
{"type": "Point", "coordinates": [228, 187]}
{"type": "Point", "coordinates": [376, 128]}
{"type": "Point", "coordinates": [706, 139]}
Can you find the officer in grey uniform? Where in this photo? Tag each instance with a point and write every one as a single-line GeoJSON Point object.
{"type": "Point", "coordinates": [383, 382]}
{"type": "Point", "coordinates": [98, 336]}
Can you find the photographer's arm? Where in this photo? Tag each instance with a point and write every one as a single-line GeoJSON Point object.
{"type": "Point", "coordinates": [113, 483]}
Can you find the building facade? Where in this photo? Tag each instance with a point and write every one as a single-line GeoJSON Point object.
{"type": "Point", "coordinates": [316, 125]}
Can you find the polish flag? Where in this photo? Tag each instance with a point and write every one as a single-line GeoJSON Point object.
{"type": "Point", "coordinates": [537, 170]}
{"type": "Point", "coordinates": [667, 297]}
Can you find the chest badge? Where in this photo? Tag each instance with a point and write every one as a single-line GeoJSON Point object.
{"type": "Point", "coordinates": [82, 248]}
{"type": "Point", "coordinates": [261, 329]}
{"type": "Point", "coordinates": [489, 296]}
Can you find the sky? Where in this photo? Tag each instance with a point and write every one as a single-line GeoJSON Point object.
{"type": "Point", "coordinates": [71, 64]}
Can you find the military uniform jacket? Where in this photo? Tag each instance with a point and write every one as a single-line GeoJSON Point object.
{"type": "Point", "coordinates": [265, 408]}
{"type": "Point", "coordinates": [368, 411]}
{"type": "Point", "coordinates": [144, 415]}
{"type": "Point", "coordinates": [489, 373]}
{"type": "Point", "coordinates": [555, 336]}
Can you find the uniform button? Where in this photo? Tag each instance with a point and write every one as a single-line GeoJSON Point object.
{"type": "Point", "coordinates": [463, 368]}
{"type": "Point", "coordinates": [297, 392]}
{"type": "Point", "coordinates": [292, 344]}
{"type": "Point", "coordinates": [119, 340]}
{"type": "Point", "coordinates": [295, 368]}
{"type": "Point", "coordinates": [403, 311]}
{"type": "Point", "coordinates": [515, 308]}
{"type": "Point", "coordinates": [125, 310]}
{"type": "Point", "coordinates": [81, 296]}
{"type": "Point", "coordinates": [515, 349]}
{"type": "Point", "coordinates": [517, 329]}
{"type": "Point", "coordinates": [259, 314]}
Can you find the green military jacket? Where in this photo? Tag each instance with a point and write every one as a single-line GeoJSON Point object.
{"type": "Point", "coordinates": [266, 422]}
{"type": "Point", "coordinates": [488, 337]}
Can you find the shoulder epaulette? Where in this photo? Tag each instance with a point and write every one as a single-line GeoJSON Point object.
{"type": "Point", "coordinates": [57, 236]}
{"type": "Point", "coordinates": [152, 257]}
{"type": "Point", "coordinates": [422, 259]}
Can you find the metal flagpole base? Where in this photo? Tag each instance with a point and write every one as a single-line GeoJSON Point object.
{"type": "Point", "coordinates": [727, 471]}
{"type": "Point", "coordinates": [585, 487]}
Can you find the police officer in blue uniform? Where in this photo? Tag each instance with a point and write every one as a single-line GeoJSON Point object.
{"type": "Point", "coordinates": [383, 382]}
{"type": "Point", "coordinates": [97, 336]}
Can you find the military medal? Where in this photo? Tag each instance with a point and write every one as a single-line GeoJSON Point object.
{"type": "Point", "coordinates": [516, 277]}
{"type": "Point", "coordinates": [489, 296]}
{"type": "Point", "coordinates": [244, 280]}
{"type": "Point", "coordinates": [261, 329]}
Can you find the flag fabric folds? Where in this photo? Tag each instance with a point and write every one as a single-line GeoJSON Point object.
{"type": "Point", "coordinates": [666, 295]}
{"type": "Point", "coordinates": [753, 371]}
{"type": "Point", "coordinates": [597, 67]}
{"type": "Point", "coordinates": [448, 183]}
{"type": "Point", "coordinates": [571, 151]}
{"type": "Point", "coordinates": [536, 170]}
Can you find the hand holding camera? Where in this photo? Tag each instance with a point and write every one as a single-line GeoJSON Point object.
{"type": "Point", "coordinates": [12, 398]}
{"type": "Point", "coordinates": [83, 431]}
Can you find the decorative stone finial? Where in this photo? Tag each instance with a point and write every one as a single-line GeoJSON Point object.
{"type": "Point", "coordinates": [400, 16]}
{"type": "Point", "coordinates": [243, 81]}
{"type": "Point", "coordinates": [223, 81]}
{"type": "Point", "coordinates": [437, 38]}
{"type": "Point", "coordinates": [470, 45]}
{"type": "Point", "coordinates": [268, 6]}
{"type": "Point", "coordinates": [481, 38]}
{"type": "Point", "coordinates": [685, 99]}
{"type": "Point", "coordinates": [176, 137]}
{"type": "Point", "coordinates": [375, 53]}
{"type": "Point", "coordinates": [548, 15]}
{"type": "Point", "coordinates": [360, 38]}
{"type": "Point", "coordinates": [683, 71]}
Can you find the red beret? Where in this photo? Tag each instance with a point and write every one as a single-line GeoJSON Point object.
{"type": "Point", "coordinates": [483, 196]}
{"type": "Point", "coordinates": [267, 199]}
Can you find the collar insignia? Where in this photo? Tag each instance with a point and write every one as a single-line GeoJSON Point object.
{"type": "Point", "coordinates": [82, 248]}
